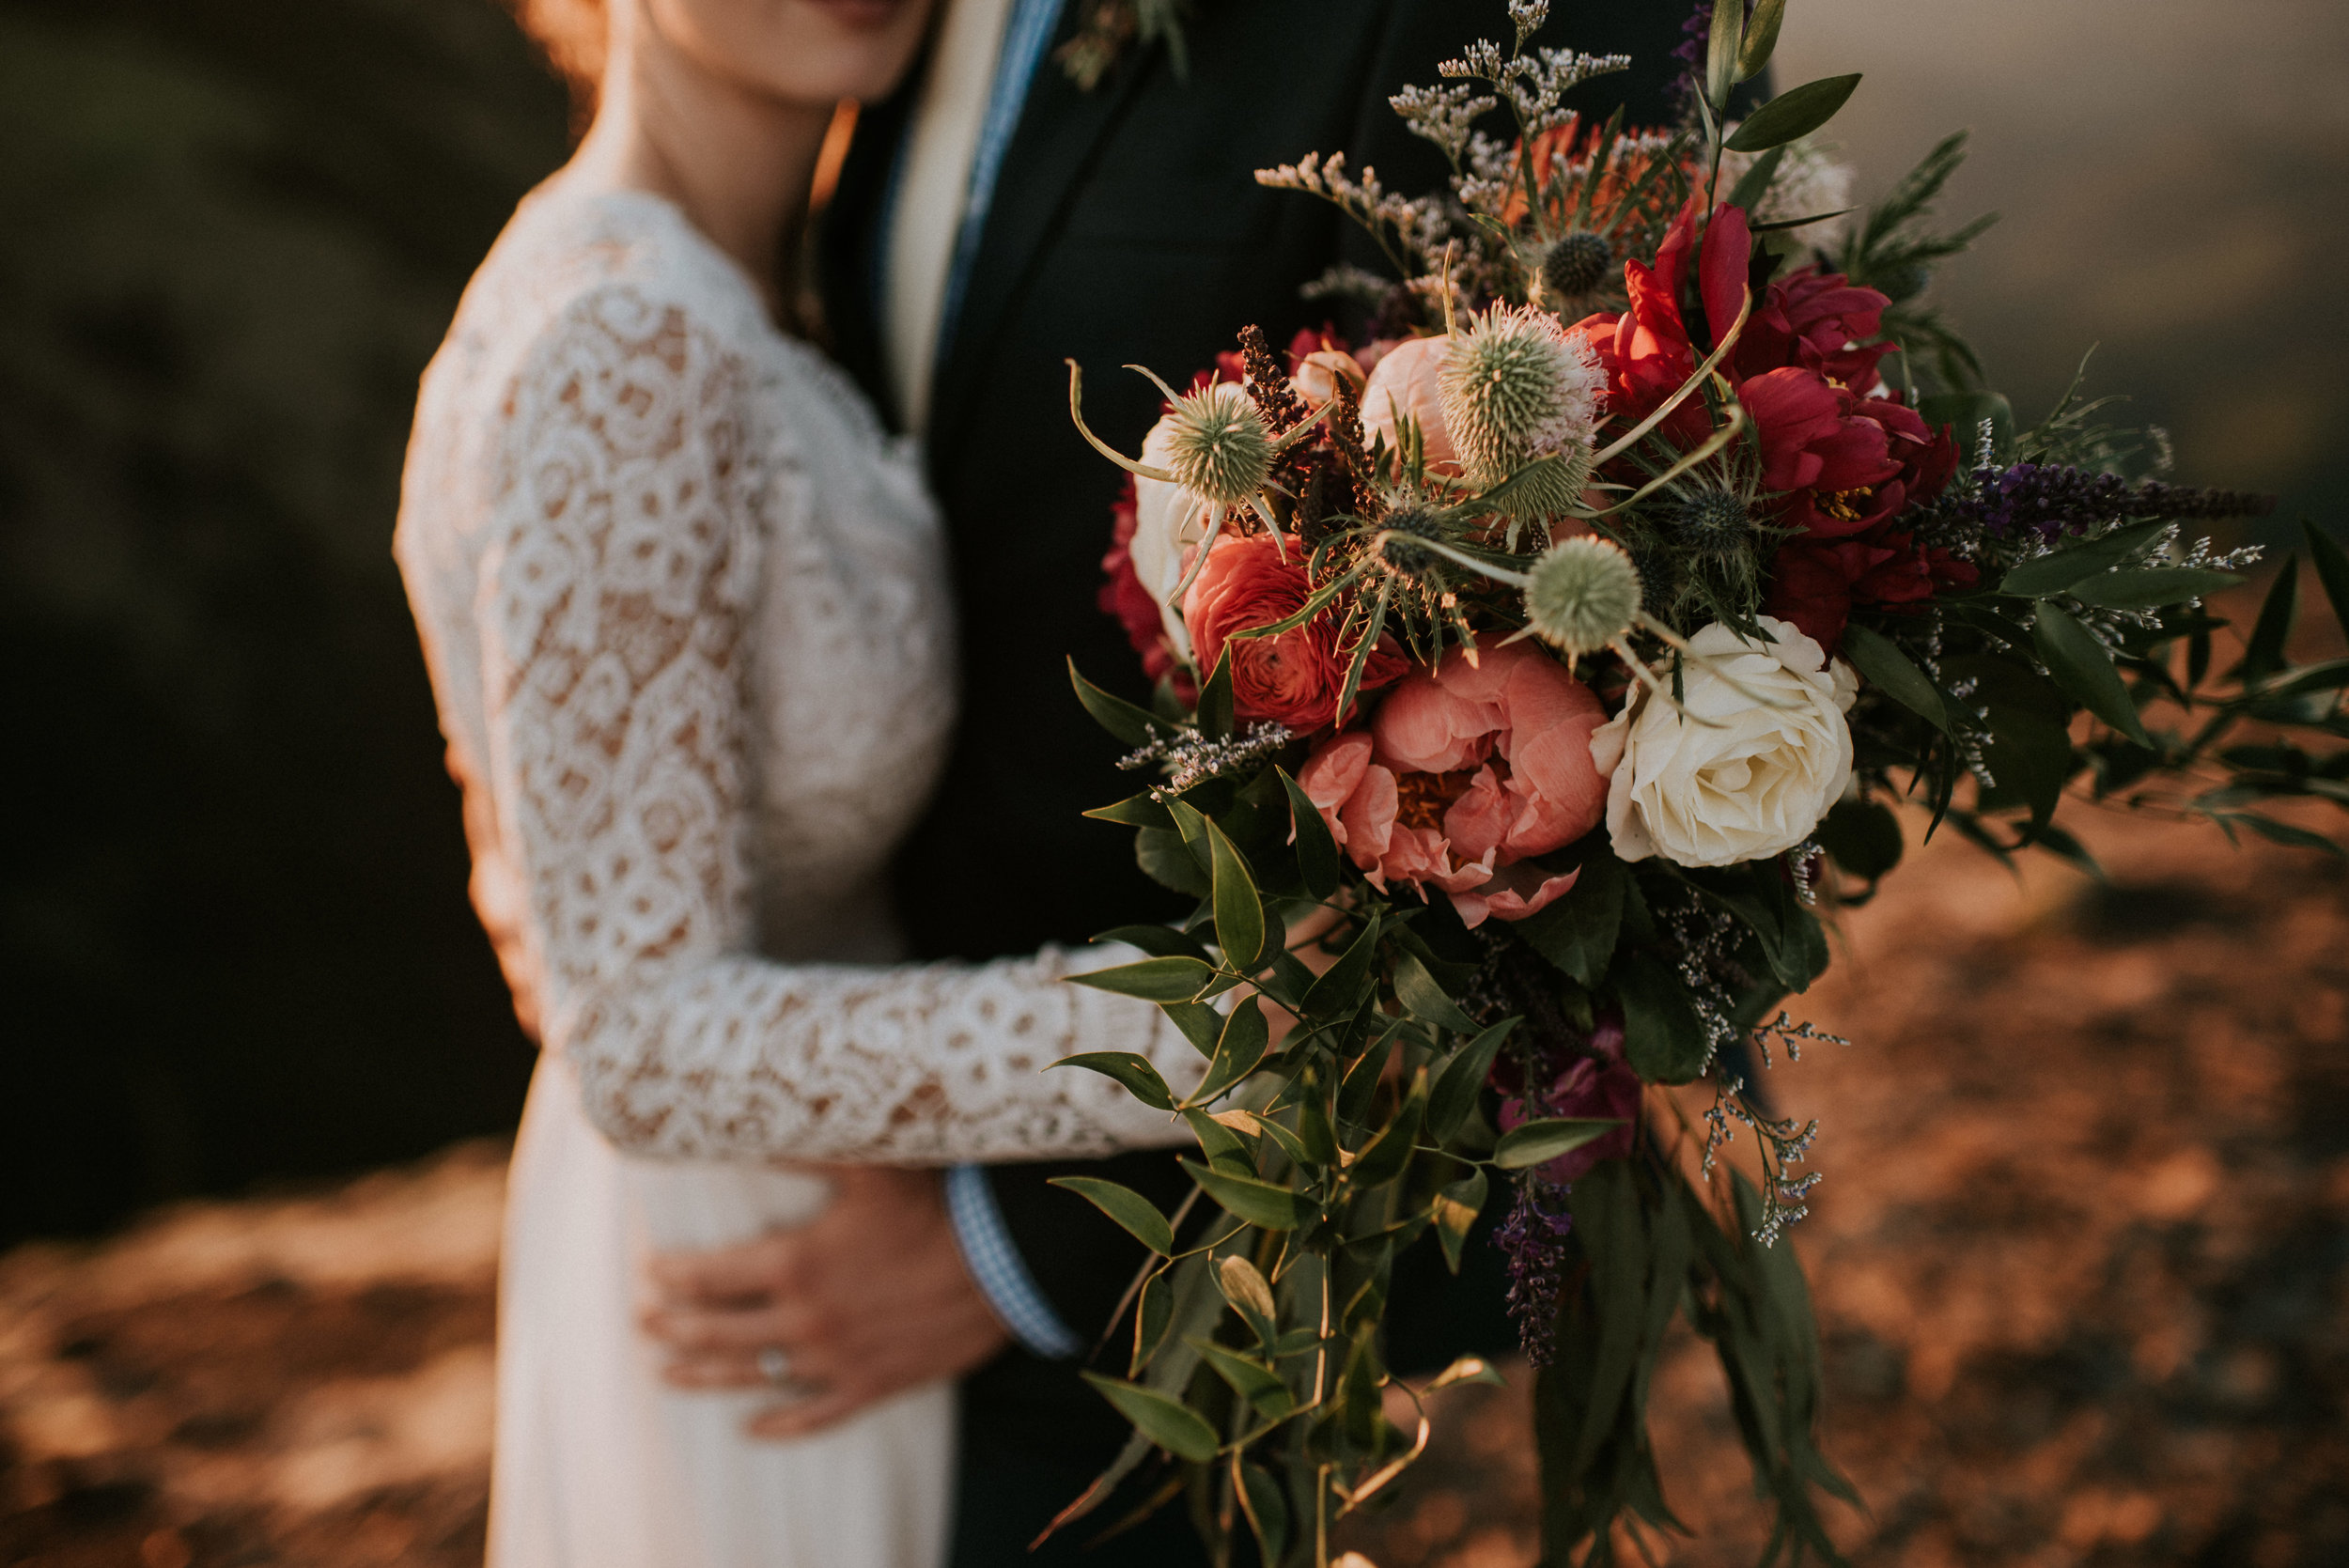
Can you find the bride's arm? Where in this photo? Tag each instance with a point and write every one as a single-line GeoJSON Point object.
{"type": "Point", "coordinates": [614, 588]}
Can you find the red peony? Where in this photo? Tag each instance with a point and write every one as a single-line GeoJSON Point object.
{"type": "Point", "coordinates": [1816, 582]}
{"type": "Point", "coordinates": [1293, 678]}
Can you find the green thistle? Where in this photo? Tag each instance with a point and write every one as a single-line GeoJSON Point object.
{"type": "Point", "coordinates": [1517, 389]}
{"type": "Point", "coordinates": [1219, 448]}
{"type": "Point", "coordinates": [1580, 595]}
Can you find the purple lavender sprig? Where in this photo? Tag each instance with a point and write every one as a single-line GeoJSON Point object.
{"type": "Point", "coordinates": [2050, 500]}
{"type": "Point", "coordinates": [1534, 1238]}
{"type": "Point", "coordinates": [1696, 34]}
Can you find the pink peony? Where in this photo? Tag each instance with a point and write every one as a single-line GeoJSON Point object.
{"type": "Point", "coordinates": [1466, 771]}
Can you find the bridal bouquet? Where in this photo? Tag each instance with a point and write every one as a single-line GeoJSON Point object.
{"type": "Point", "coordinates": [1533, 678]}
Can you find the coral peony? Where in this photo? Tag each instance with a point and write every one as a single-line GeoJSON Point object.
{"type": "Point", "coordinates": [1293, 678]}
{"type": "Point", "coordinates": [1466, 771]}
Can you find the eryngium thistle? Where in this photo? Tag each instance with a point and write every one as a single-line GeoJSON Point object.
{"type": "Point", "coordinates": [1575, 265]}
{"type": "Point", "coordinates": [1580, 595]}
{"type": "Point", "coordinates": [1710, 521]}
{"type": "Point", "coordinates": [1219, 449]}
{"type": "Point", "coordinates": [1516, 388]}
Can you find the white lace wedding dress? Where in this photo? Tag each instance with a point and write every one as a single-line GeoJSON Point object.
{"type": "Point", "coordinates": [684, 605]}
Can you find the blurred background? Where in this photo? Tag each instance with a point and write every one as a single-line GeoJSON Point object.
{"type": "Point", "coordinates": [235, 950]}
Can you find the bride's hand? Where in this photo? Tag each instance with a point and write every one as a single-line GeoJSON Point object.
{"type": "Point", "coordinates": [869, 1298]}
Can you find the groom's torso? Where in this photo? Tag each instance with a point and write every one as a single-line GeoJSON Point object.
{"type": "Point", "coordinates": [1126, 228]}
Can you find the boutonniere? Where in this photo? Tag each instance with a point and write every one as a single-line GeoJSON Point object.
{"type": "Point", "coordinates": [1107, 26]}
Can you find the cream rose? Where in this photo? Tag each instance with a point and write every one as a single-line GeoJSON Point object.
{"type": "Point", "coordinates": [1169, 522]}
{"type": "Point", "coordinates": [1755, 786]}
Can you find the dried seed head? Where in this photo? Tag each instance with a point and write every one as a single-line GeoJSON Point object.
{"type": "Point", "coordinates": [1580, 595]}
{"type": "Point", "coordinates": [1575, 265]}
{"type": "Point", "coordinates": [1219, 448]}
{"type": "Point", "coordinates": [1516, 388]}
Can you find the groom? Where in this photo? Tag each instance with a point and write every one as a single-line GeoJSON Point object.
{"type": "Point", "coordinates": [994, 218]}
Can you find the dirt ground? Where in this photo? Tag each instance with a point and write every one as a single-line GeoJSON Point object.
{"type": "Point", "coordinates": [2081, 1260]}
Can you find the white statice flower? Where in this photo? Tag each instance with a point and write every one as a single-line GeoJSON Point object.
{"type": "Point", "coordinates": [1808, 182]}
{"type": "Point", "coordinates": [1169, 521]}
{"type": "Point", "coordinates": [1752, 784]}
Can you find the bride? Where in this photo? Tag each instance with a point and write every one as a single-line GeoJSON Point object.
{"type": "Point", "coordinates": [685, 611]}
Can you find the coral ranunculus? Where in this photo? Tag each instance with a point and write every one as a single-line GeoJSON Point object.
{"type": "Point", "coordinates": [1466, 771]}
{"type": "Point", "coordinates": [1294, 678]}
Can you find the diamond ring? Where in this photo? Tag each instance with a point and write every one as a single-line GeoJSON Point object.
{"type": "Point", "coordinates": [774, 1365]}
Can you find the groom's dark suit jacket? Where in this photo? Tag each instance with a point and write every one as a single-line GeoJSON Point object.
{"type": "Point", "coordinates": [1127, 227]}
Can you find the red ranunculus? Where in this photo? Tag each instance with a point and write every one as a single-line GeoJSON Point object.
{"type": "Point", "coordinates": [1293, 678]}
{"type": "Point", "coordinates": [1598, 1087]}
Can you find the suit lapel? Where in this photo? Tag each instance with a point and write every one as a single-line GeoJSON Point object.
{"type": "Point", "coordinates": [1061, 129]}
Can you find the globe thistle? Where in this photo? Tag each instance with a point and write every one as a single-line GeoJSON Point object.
{"type": "Point", "coordinates": [1518, 388]}
{"type": "Point", "coordinates": [1217, 446]}
{"type": "Point", "coordinates": [1575, 265]}
{"type": "Point", "coordinates": [1712, 523]}
{"type": "Point", "coordinates": [1401, 540]}
{"type": "Point", "coordinates": [1580, 595]}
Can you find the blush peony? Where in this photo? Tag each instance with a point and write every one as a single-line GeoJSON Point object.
{"type": "Point", "coordinates": [1404, 386]}
{"type": "Point", "coordinates": [1293, 678]}
{"type": "Point", "coordinates": [1752, 784]}
{"type": "Point", "coordinates": [1465, 772]}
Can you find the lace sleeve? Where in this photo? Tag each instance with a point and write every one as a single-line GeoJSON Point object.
{"type": "Point", "coordinates": [615, 587]}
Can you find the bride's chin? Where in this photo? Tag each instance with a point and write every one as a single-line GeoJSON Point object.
{"type": "Point", "coordinates": [863, 16]}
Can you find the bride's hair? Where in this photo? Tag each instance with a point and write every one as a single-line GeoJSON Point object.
{"type": "Point", "coordinates": [572, 36]}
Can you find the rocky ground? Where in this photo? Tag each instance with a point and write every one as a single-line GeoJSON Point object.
{"type": "Point", "coordinates": [2081, 1260]}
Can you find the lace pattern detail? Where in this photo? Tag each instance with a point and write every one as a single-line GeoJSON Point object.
{"type": "Point", "coordinates": [685, 611]}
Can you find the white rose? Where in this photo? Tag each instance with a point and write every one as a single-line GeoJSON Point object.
{"type": "Point", "coordinates": [1168, 521]}
{"type": "Point", "coordinates": [1755, 786]}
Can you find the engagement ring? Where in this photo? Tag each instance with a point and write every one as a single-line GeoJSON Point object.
{"type": "Point", "coordinates": [774, 1365]}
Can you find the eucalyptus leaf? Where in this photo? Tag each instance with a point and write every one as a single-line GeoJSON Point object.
{"type": "Point", "coordinates": [1152, 979]}
{"type": "Point", "coordinates": [1316, 851]}
{"type": "Point", "coordinates": [1418, 991]}
{"type": "Point", "coordinates": [1128, 1068]}
{"type": "Point", "coordinates": [1259, 1203]}
{"type": "Point", "coordinates": [1726, 36]}
{"type": "Point", "coordinates": [1461, 1078]}
{"type": "Point", "coordinates": [1664, 1040]}
{"type": "Point", "coordinates": [1236, 1053]}
{"type": "Point", "coordinates": [1536, 1143]}
{"type": "Point", "coordinates": [1245, 1287]}
{"type": "Point", "coordinates": [1755, 182]}
{"type": "Point", "coordinates": [2151, 587]}
{"type": "Point", "coordinates": [2083, 666]}
{"type": "Point", "coordinates": [1240, 914]}
{"type": "Point", "coordinates": [1345, 986]}
{"type": "Point", "coordinates": [1267, 1509]}
{"type": "Point", "coordinates": [1455, 1211]}
{"type": "Point", "coordinates": [1224, 1148]}
{"type": "Point", "coordinates": [1135, 810]}
{"type": "Point", "coordinates": [1250, 1378]}
{"type": "Point", "coordinates": [1215, 700]}
{"type": "Point", "coordinates": [1165, 1420]}
{"type": "Point", "coordinates": [1166, 860]}
{"type": "Point", "coordinates": [1383, 1158]}
{"type": "Point", "coordinates": [1138, 1214]}
{"type": "Point", "coordinates": [1797, 111]}
{"type": "Point", "coordinates": [1133, 725]}
{"type": "Point", "coordinates": [2043, 576]}
{"type": "Point", "coordinates": [2332, 569]}
{"type": "Point", "coordinates": [2263, 654]}
{"type": "Point", "coordinates": [1887, 668]}
{"type": "Point", "coordinates": [1577, 932]}
{"type": "Point", "coordinates": [1159, 941]}
{"type": "Point", "coordinates": [1761, 40]}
